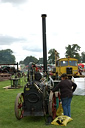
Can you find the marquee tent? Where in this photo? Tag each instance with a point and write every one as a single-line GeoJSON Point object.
{"type": "Point", "coordinates": [80, 90]}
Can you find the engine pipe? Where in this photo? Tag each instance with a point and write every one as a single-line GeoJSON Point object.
{"type": "Point", "coordinates": [44, 42]}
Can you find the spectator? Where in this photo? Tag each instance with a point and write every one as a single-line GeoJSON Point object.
{"type": "Point", "coordinates": [67, 87]}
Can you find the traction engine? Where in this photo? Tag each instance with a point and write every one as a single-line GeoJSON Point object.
{"type": "Point", "coordinates": [37, 99]}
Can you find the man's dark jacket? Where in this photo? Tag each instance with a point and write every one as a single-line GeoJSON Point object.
{"type": "Point", "coordinates": [67, 87]}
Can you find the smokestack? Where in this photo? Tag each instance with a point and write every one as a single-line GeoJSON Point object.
{"type": "Point", "coordinates": [44, 42]}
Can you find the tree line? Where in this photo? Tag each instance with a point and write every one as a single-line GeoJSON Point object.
{"type": "Point", "coordinates": [7, 57]}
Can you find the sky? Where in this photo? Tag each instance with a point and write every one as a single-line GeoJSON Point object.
{"type": "Point", "coordinates": [21, 26]}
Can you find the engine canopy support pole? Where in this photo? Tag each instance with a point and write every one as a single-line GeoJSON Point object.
{"type": "Point", "coordinates": [17, 66]}
{"type": "Point", "coordinates": [44, 42]}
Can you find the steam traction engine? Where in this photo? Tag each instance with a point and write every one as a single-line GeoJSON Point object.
{"type": "Point", "coordinates": [37, 100]}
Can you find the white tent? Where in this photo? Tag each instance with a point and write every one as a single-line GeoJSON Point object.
{"type": "Point", "coordinates": [80, 90]}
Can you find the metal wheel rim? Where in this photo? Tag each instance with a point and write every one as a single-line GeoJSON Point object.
{"type": "Point", "coordinates": [52, 105]}
{"type": "Point", "coordinates": [18, 106]}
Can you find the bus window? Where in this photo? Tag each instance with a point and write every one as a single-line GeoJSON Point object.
{"type": "Point", "coordinates": [64, 63]}
{"type": "Point", "coordinates": [72, 63]}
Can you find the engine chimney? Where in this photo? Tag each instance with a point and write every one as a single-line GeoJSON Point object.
{"type": "Point", "coordinates": [44, 42]}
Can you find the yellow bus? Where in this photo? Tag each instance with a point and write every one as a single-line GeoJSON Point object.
{"type": "Point", "coordinates": [68, 66]}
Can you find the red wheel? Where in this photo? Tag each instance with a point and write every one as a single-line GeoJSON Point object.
{"type": "Point", "coordinates": [18, 106]}
{"type": "Point", "coordinates": [52, 105]}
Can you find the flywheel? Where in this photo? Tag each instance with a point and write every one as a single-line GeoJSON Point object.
{"type": "Point", "coordinates": [52, 105]}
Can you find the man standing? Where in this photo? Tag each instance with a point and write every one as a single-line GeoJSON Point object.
{"type": "Point", "coordinates": [67, 87]}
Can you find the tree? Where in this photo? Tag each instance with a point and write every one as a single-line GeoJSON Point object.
{"type": "Point", "coordinates": [29, 59]}
{"type": "Point", "coordinates": [40, 61]}
{"type": "Point", "coordinates": [83, 57]}
{"type": "Point", "coordinates": [6, 57]}
{"type": "Point", "coordinates": [21, 62]}
{"type": "Point", "coordinates": [51, 57]}
{"type": "Point", "coordinates": [73, 51]}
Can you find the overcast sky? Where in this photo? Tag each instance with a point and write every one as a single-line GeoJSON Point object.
{"type": "Point", "coordinates": [21, 26]}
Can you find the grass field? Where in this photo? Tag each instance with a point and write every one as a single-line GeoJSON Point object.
{"type": "Point", "coordinates": [8, 119]}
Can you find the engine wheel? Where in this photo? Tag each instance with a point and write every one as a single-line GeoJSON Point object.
{"type": "Point", "coordinates": [52, 105]}
{"type": "Point", "coordinates": [18, 106]}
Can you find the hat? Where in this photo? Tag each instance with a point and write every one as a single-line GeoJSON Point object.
{"type": "Point", "coordinates": [64, 75]}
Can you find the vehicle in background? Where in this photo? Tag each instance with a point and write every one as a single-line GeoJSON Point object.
{"type": "Point", "coordinates": [68, 66]}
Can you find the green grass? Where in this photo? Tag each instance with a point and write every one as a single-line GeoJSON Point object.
{"type": "Point", "coordinates": [8, 119]}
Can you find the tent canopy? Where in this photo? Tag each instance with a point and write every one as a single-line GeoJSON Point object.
{"type": "Point", "coordinates": [80, 90]}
